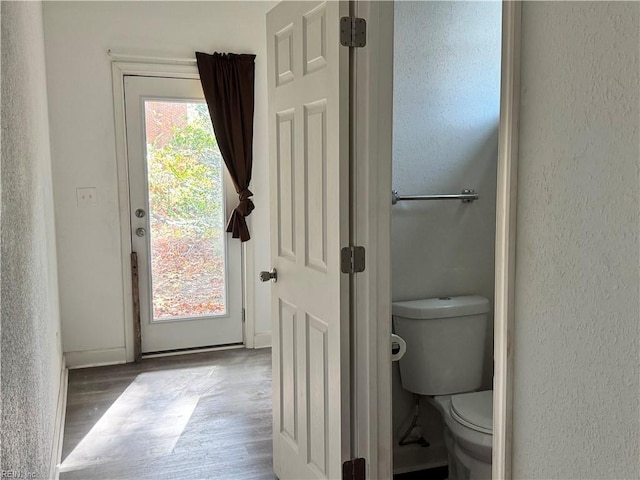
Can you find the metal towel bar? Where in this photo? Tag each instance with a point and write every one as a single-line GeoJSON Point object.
{"type": "Point", "coordinates": [467, 196]}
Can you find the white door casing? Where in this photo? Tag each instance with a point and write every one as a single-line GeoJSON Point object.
{"type": "Point", "coordinates": [194, 331]}
{"type": "Point", "coordinates": [308, 91]}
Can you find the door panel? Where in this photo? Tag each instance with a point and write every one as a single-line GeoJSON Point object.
{"type": "Point", "coordinates": [308, 129]}
{"type": "Point", "coordinates": [315, 201]}
{"type": "Point", "coordinates": [190, 276]}
{"type": "Point", "coordinates": [288, 360]}
{"type": "Point", "coordinates": [286, 186]}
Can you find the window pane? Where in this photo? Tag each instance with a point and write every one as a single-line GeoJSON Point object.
{"type": "Point", "coordinates": [186, 211]}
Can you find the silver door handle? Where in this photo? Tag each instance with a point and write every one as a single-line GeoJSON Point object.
{"type": "Point", "coordinates": [267, 276]}
{"type": "Point", "coordinates": [141, 232]}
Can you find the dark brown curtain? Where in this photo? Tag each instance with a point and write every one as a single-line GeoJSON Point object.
{"type": "Point", "coordinates": [228, 83]}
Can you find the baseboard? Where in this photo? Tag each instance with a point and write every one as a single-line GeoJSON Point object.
{"type": "Point", "coordinates": [96, 358]}
{"type": "Point", "coordinates": [58, 434]}
{"type": "Point", "coordinates": [262, 340]}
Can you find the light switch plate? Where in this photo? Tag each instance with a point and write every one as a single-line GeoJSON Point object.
{"type": "Point", "coordinates": [87, 196]}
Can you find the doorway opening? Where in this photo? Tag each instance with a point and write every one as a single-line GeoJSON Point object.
{"type": "Point", "coordinates": [446, 119]}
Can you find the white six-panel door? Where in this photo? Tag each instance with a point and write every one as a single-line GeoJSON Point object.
{"type": "Point", "coordinates": [309, 163]}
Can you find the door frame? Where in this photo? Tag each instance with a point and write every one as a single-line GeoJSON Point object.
{"type": "Point", "coordinates": [371, 358]}
{"type": "Point", "coordinates": [372, 82]}
{"type": "Point", "coordinates": [121, 66]}
{"type": "Point", "coordinates": [505, 261]}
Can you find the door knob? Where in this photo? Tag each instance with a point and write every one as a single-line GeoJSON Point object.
{"type": "Point", "coordinates": [266, 276]}
{"type": "Point", "coordinates": [140, 232]}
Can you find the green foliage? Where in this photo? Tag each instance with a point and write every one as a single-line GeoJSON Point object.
{"type": "Point", "coordinates": [185, 181]}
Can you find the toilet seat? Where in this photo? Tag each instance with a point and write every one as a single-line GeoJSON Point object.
{"type": "Point", "coordinates": [474, 410]}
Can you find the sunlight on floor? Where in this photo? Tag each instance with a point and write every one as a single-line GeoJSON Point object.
{"type": "Point", "coordinates": [142, 419]}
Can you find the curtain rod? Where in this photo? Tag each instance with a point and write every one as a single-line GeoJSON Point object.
{"type": "Point", "coordinates": [145, 58]}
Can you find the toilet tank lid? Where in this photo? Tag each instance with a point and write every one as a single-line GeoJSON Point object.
{"type": "Point", "coordinates": [443, 307]}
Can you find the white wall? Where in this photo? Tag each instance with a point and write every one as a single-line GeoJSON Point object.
{"type": "Point", "coordinates": [31, 349]}
{"type": "Point", "coordinates": [576, 396]}
{"type": "Point", "coordinates": [445, 122]}
{"type": "Point", "coordinates": [77, 36]}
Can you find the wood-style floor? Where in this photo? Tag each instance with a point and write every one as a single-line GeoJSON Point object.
{"type": "Point", "coordinates": [198, 416]}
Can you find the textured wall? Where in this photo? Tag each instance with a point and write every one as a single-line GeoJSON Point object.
{"type": "Point", "coordinates": [576, 398]}
{"type": "Point", "coordinates": [445, 118]}
{"type": "Point", "coordinates": [78, 35]}
{"type": "Point", "coordinates": [31, 351]}
{"type": "Point", "coordinates": [446, 108]}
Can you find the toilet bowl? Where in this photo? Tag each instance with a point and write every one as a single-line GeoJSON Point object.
{"type": "Point", "coordinates": [468, 419]}
{"type": "Point", "coordinates": [445, 341]}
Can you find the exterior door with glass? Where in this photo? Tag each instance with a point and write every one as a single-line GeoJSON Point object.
{"type": "Point", "coordinates": [189, 269]}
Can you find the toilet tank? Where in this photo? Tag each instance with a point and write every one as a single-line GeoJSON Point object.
{"type": "Point", "coordinates": [445, 343]}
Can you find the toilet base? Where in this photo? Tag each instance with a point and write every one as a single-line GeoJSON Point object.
{"type": "Point", "coordinates": [473, 468]}
{"type": "Point", "coordinates": [463, 466]}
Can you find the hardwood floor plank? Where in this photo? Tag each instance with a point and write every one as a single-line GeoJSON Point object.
{"type": "Point", "coordinates": [194, 416]}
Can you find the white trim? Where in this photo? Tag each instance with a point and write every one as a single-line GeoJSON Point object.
{"type": "Point", "coordinates": [506, 240]}
{"type": "Point", "coordinates": [127, 57]}
{"type": "Point", "coordinates": [96, 358]}
{"type": "Point", "coordinates": [122, 166]}
{"type": "Point", "coordinates": [249, 296]}
{"type": "Point", "coordinates": [58, 433]}
{"type": "Point", "coordinates": [262, 340]}
{"type": "Point", "coordinates": [118, 72]}
{"type": "Point", "coordinates": [372, 293]}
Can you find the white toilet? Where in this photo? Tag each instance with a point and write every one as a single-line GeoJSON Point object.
{"type": "Point", "coordinates": [445, 340]}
